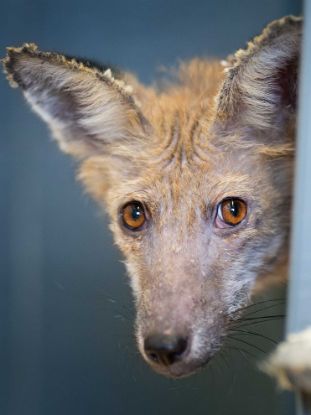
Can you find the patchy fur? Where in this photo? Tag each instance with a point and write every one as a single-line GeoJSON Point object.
{"type": "Point", "coordinates": [180, 150]}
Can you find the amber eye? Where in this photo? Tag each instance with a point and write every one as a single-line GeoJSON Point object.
{"type": "Point", "coordinates": [133, 215]}
{"type": "Point", "coordinates": [232, 211]}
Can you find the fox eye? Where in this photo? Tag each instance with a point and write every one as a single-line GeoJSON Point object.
{"type": "Point", "coordinates": [133, 215]}
{"type": "Point", "coordinates": [231, 211]}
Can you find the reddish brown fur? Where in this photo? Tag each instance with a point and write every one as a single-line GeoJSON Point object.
{"type": "Point", "coordinates": [180, 151]}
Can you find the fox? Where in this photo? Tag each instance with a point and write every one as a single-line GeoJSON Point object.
{"type": "Point", "coordinates": [195, 174]}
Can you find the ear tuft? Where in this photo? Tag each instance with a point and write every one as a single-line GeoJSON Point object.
{"type": "Point", "coordinates": [10, 60]}
{"type": "Point", "coordinates": [16, 54]}
{"type": "Point", "coordinates": [272, 32]}
{"type": "Point", "coordinates": [263, 77]}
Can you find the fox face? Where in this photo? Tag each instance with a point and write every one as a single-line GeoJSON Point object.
{"type": "Point", "coordinates": [196, 179]}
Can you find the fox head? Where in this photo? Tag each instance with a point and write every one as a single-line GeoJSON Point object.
{"type": "Point", "coordinates": [196, 179]}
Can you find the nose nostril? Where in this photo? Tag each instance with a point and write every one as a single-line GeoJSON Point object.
{"type": "Point", "coordinates": [165, 350]}
{"type": "Point", "coordinates": [153, 356]}
{"type": "Point", "coordinates": [180, 347]}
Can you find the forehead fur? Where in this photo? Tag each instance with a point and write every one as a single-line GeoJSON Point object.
{"type": "Point", "coordinates": [180, 114]}
{"type": "Point", "coordinates": [178, 138]}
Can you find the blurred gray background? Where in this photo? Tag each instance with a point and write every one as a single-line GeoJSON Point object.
{"type": "Point", "coordinates": [66, 315]}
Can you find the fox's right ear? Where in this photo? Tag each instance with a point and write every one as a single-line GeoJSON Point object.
{"type": "Point", "coordinates": [86, 108]}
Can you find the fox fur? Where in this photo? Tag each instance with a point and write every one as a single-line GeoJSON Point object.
{"type": "Point", "coordinates": [218, 131]}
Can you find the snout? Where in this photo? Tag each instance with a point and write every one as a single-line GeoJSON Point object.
{"type": "Point", "coordinates": [173, 355]}
{"type": "Point", "coordinates": [178, 330]}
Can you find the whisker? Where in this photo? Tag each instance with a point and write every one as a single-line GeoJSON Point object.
{"type": "Point", "coordinates": [223, 360]}
{"type": "Point", "coordinates": [242, 351]}
{"type": "Point", "coordinates": [262, 317]}
{"type": "Point", "coordinates": [262, 309]}
{"type": "Point", "coordinates": [249, 344]}
{"type": "Point", "coordinates": [253, 333]}
{"type": "Point", "coordinates": [260, 302]}
{"type": "Point", "coordinates": [224, 357]}
{"type": "Point", "coordinates": [228, 345]}
{"type": "Point", "coordinates": [253, 323]}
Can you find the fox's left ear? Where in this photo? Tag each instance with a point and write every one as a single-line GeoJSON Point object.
{"type": "Point", "coordinates": [260, 87]}
{"type": "Point", "coordinates": [86, 108]}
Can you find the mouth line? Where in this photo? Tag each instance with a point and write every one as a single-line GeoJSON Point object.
{"type": "Point", "coordinates": [180, 370]}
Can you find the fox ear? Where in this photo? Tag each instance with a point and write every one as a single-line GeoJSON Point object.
{"type": "Point", "coordinates": [86, 108]}
{"type": "Point", "coordinates": [260, 87]}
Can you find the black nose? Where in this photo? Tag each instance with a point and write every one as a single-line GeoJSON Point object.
{"type": "Point", "coordinates": [165, 350]}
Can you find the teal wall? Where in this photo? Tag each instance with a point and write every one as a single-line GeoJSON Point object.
{"type": "Point", "coordinates": [66, 315]}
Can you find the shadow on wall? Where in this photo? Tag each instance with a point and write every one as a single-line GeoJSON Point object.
{"type": "Point", "coordinates": [67, 343]}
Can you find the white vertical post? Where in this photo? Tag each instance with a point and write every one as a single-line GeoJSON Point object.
{"type": "Point", "coordinates": [299, 302]}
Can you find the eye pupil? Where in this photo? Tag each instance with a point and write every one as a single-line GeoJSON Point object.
{"type": "Point", "coordinates": [136, 212]}
{"type": "Point", "coordinates": [234, 208]}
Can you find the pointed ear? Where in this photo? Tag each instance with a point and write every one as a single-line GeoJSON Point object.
{"type": "Point", "coordinates": [86, 108]}
{"type": "Point", "coordinates": [260, 87]}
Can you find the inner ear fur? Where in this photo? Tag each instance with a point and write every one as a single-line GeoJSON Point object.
{"type": "Point", "coordinates": [260, 87]}
{"type": "Point", "coordinates": [86, 108]}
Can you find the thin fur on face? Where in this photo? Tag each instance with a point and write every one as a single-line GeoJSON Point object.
{"type": "Point", "coordinates": [179, 153]}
